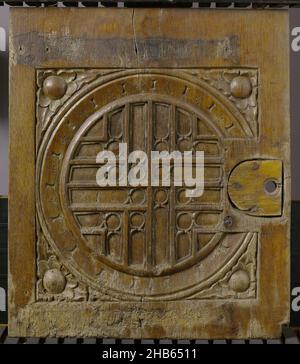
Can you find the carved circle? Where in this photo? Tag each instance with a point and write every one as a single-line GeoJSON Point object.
{"type": "Point", "coordinates": [161, 196]}
{"type": "Point", "coordinates": [137, 220]}
{"type": "Point", "coordinates": [57, 212]}
{"type": "Point", "coordinates": [54, 87]}
{"type": "Point", "coordinates": [184, 221]}
{"type": "Point", "coordinates": [182, 197]}
{"type": "Point", "coordinates": [113, 147]}
{"type": "Point", "coordinates": [113, 222]}
{"type": "Point", "coordinates": [138, 196]}
{"type": "Point", "coordinates": [161, 146]}
{"type": "Point", "coordinates": [185, 145]}
{"type": "Point", "coordinates": [241, 87]}
{"type": "Point", "coordinates": [54, 281]}
{"type": "Point", "coordinates": [239, 281]}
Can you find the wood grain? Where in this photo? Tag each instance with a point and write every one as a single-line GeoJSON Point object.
{"type": "Point", "coordinates": [156, 78]}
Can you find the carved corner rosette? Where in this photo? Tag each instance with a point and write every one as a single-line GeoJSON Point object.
{"type": "Point", "coordinates": [240, 86]}
{"type": "Point", "coordinates": [55, 282]}
{"type": "Point", "coordinates": [54, 88]}
{"type": "Point", "coordinates": [240, 282]}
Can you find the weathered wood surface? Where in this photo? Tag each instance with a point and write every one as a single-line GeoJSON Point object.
{"type": "Point", "coordinates": [290, 338]}
{"type": "Point", "coordinates": [148, 262]}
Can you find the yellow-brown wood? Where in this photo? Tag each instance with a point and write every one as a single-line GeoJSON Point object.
{"type": "Point", "coordinates": [147, 262]}
{"type": "Point", "coordinates": [255, 187]}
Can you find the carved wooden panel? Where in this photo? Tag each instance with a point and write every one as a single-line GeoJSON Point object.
{"type": "Point", "coordinates": [131, 260]}
{"type": "Point", "coordinates": [156, 235]}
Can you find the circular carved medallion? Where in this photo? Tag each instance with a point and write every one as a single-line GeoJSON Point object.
{"type": "Point", "coordinates": [132, 242]}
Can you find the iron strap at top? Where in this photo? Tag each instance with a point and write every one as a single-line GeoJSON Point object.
{"type": "Point", "coordinates": [158, 3]}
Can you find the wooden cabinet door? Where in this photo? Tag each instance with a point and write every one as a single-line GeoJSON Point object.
{"type": "Point", "coordinates": [149, 261]}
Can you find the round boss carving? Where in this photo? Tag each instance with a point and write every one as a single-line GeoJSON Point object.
{"type": "Point", "coordinates": [54, 281]}
{"type": "Point", "coordinates": [54, 87]}
{"type": "Point", "coordinates": [241, 87]}
{"type": "Point", "coordinates": [239, 281]}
